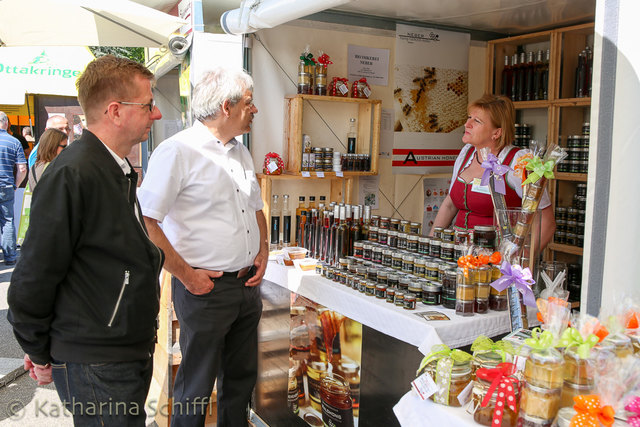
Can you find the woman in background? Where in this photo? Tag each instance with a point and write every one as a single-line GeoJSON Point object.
{"type": "Point", "coordinates": [52, 142]}
{"type": "Point", "coordinates": [490, 124]}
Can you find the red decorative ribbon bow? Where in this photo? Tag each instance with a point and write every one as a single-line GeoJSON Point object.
{"type": "Point", "coordinates": [590, 413]}
{"type": "Point", "coordinates": [324, 59]}
{"type": "Point", "coordinates": [502, 380]}
{"type": "Point", "coordinates": [633, 406]}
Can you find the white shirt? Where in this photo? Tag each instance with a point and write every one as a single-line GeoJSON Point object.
{"type": "Point", "coordinates": [206, 195]}
{"type": "Point", "coordinates": [512, 180]}
{"type": "Point", "coordinates": [126, 169]}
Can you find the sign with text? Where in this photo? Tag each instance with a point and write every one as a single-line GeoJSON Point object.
{"type": "Point", "coordinates": [370, 63]}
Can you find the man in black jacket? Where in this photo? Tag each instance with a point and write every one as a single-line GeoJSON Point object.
{"type": "Point", "coordinates": [84, 296]}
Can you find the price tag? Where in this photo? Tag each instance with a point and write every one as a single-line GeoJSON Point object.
{"type": "Point", "coordinates": [280, 259]}
{"type": "Point", "coordinates": [340, 174]}
{"type": "Point", "coordinates": [272, 167]}
{"type": "Point", "coordinates": [320, 174]}
{"type": "Point", "coordinates": [306, 174]}
{"type": "Point", "coordinates": [343, 88]}
{"type": "Point", "coordinates": [366, 91]}
{"type": "Point", "coordinates": [424, 386]}
{"type": "Point", "coordinates": [465, 394]}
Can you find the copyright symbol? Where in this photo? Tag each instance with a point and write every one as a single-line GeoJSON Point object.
{"type": "Point", "coordinates": [15, 410]}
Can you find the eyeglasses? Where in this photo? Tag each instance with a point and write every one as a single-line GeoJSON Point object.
{"type": "Point", "coordinates": [62, 145]}
{"type": "Point", "coordinates": [149, 105]}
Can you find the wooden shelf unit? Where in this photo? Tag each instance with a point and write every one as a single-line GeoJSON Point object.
{"type": "Point", "coordinates": [369, 117]}
{"type": "Point", "coordinates": [567, 249]}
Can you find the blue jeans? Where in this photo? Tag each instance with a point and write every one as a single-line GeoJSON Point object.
{"type": "Point", "coordinates": [7, 224]}
{"type": "Point", "coordinates": [104, 394]}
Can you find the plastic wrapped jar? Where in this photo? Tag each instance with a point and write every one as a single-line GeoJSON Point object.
{"type": "Point", "coordinates": [460, 379]}
{"type": "Point", "coordinates": [485, 359]}
{"type": "Point", "coordinates": [484, 415]}
{"type": "Point", "coordinates": [538, 404]}
{"type": "Point", "coordinates": [468, 276]}
{"type": "Point", "coordinates": [484, 236]}
{"type": "Point", "coordinates": [498, 302]}
{"type": "Point", "coordinates": [481, 306]}
{"type": "Point", "coordinates": [577, 370]}
{"type": "Point", "coordinates": [619, 343]}
{"type": "Point", "coordinates": [545, 368]}
{"type": "Point", "coordinates": [570, 390]}
{"type": "Point", "coordinates": [484, 274]}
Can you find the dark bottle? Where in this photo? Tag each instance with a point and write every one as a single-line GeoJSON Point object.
{"type": "Point", "coordinates": [307, 231]}
{"type": "Point", "coordinates": [355, 230]}
{"type": "Point", "coordinates": [286, 221]}
{"type": "Point", "coordinates": [545, 75]}
{"type": "Point", "coordinates": [580, 75]}
{"type": "Point", "coordinates": [275, 223]}
{"type": "Point", "coordinates": [342, 236]}
{"type": "Point", "coordinates": [312, 231]}
{"type": "Point", "coordinates": [349, 215]}
{"type": "Point", "coordinates": [522, 77]}
{"type": "Point", "coordinates": [588, 60]}
{"type": "Point", "coordinates": [351, 136]}
{"type": "Point", "coordinates": [300, 213]}
{"type": "Point", "coordinates": [317, 247]}
{"type": "Point", "coordinates": [537, 78]}
{"type": "Point", "coordinates": [331, 250]}
{"type": "Point", "coordinates": [514, 77]}
{"type": "Point", "coordinates": [530, 78]}
{"type": "Point", "coordinates": [324, 235]}
{"type": "Point", "coordinates": [505, 88]}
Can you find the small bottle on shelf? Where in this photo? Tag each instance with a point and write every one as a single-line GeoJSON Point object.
{"type": "Point", "coordinates": [286, 221]}
{"type": "Point", "coordinates": [351, 136]}
{"type": "Point", "coordinates": [342, 236]}
{"type": "Point", "coordinates": [505, 87]}
{"type": "Point", "coordinates": [537, 79]}
{"type": "Point", "coordinates": [530, 78]}
{"type": "Point", "coordinates": [333, 231]}
{"type": "Point", "coordinates": [356, 229]}
{"type": "Point", "coordinates": [275, 223]}
{"type": "Point", "coordinates": [366, 220]}
{"type": "Point", "coordinates": [522, 77]}
{"type": "Point", "coordinates": [545, 75]}
{"type": "Point", "coordinates": [515, 75]}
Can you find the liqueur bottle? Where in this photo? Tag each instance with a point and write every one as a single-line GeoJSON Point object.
{"type": "Point", "coordinates": [514, 77]}
{"type": "Point", "coordinates": [366, 222]}
{"type": "Point", "coordinates": [333, 231]}
{"type": "Point", "coordinates": [545, 75]}
{"type": "Point", "coordinates": [312, 232]}
{"type": "Point", "coordinates": [537, 79]}
{"type": "Point", "coordinates": [522, 77]}
{"type": "Point", "coordinates": [306, 238]}
{"type": "Point", "coordinates": [286, 221]}
{"type": "Point", "coordinates": [581, 73]}
{"type": "Point", "coordinates": [588, 74]}
{"type": "Point", "coordinates": [324, 235]}
{"type": "Point", "coordinates": [351, 136]}
{"type": "Point", "coordinates": [355, 230]}
{"type": "Point", "coordinates": [275, 223]}
{"type": "Point", "coordinates": [530, 78]}
{"type": "Point", "coordinates": [342, 236]}
{"type": "Point", "coordinates": [300, 213]}
{"type": "Point", "coordinates": [505, 88]}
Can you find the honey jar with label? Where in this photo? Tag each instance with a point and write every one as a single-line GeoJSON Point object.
{"type": "Point", "coordinates": [545, 368]}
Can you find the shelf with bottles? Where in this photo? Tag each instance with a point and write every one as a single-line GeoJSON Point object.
{"type": "Point", "coordinates": [575, 46]}
{"type": "Point", "coordinates": [367, 112]}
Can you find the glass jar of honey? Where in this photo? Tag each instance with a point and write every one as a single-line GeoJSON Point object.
{"type": "Point", "coordinates": [577, 370]}
{"type": "Point", "coordinates": [619, 343]}
{"type": "Point", "coordinates": [485, 359]}
{"type": "Point", "coordinates": [431, 270]}
{"type": "Point", "coordinates": [570, 390]}
{"type": "Point", "coordinates": [545, 368]}
{"type": "Point", "coordinates": [467, 276]}
{"type": "Point", "coordinates": [373, 234]}
{"type": "Point", "coordinates": [498, 302]}
{"type": "Point", "coordinates": [412, 243]}
{"type": "Point", "coordinates": [392, 239]}
{"type": "Point", "coordinates": [460, 379]}
{"type": "Point", "coordinates": [396, 261]}
{"type": "Point", "coordinates": [539, 403]}
{"type": "Point", "coordinates": [399, 299]}
{"type": "Point", "coordinates": [466, 293]}
{"type": "Point", "coordinates": [484, 415]}
{"type": "Point", "coordinates": [384, 222]}
{"type": "Point", "coordinates": [336, 403]}
{"type": "Point", "coordinates": [423, 245]}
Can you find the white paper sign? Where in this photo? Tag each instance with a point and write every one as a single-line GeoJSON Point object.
{"type": "Point", "coordinates": [368, 191]}
{"type": "Point", "coordinates": [320, 174]}
{"type": "Point", "coordinates": [370, 63]}
{"type": "Point", "coordinates": [424, 386]}
{"type": "Point", "coordinates": [306, 174]}
{"type": "Point", "coordinates": [465, 394]}
{"type": "Point", "coordinates": [340, 174]}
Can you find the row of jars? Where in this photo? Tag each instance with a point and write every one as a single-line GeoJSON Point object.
{"type": "Point", "coordinates": [396, 224]}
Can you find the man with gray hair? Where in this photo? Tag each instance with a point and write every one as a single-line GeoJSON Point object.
{"type": "Point", "coordinates": [11, 154]}
{"type": "Point", "coordinates": [200, 184]}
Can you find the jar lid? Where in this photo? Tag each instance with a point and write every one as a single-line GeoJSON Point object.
{"type": "Point", "coordinates": [484, 228]}
{"type": "Point", "coordinates": [423, 239]}
{"type": "Point", "coordinates": [404, 222]}
{"type": "Point", "coordinates": [548, 355]}
{"type": "Point", "coordinates": [409, 298]}
{"type": "Point", "coordinates": [415, 224]}
{"type": "Point", "coordinates": [408, 258]}
{"type": "Point", "coordinates": [435, 242]}
{"type": "Point", "coordinates": [448, 231]}
{"type": "Point", "coordinates": [405, 280]}
{"type": "Point", "coordinates": [432, 287]}
{"type": "Point", "coordinates": [399, 294]}
{"type": "Point", "coordinates": [431, 264]}
{"type": "Point", "coordinates": [358, 244]}
{"type": "Point", "coordinates": [384, 218]}
{"type": "Point", "coordinates": [367, 246]}
{"type": "Point", "coordinates": [391, 291]}
{"type": "Point", "coordinates": [397, 254]}
{"type": "Point", "coordinates": [447, 245]}
{"type": "Point", "coordinates": [387, 252]}
{"type": "Point", "coordinates": [395, 221]}
{"type": "Point", "coordinates": [393, 276]}
{"type": "Point", "coordinates": [372, 269]}
{"type": "Point", "coordinates": [392, 233]}
{"type": "Point", "coordinates": [381, 287]}
{"type": "Point", "coordinates": [438, 229]}
{"type": "Point", "coordinates": [419, 261]}
{"type": "Point", "coordinates": [451, 273]}
{"type": "Point", "coordinates": [373, 228]}
{"type": "Point", "coordinates": [412, 237]}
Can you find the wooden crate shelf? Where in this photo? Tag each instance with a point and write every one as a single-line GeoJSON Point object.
{"type": "Point", "coordinates": [567, 249]}
{"type": "Point", "coordinates": [566, 176]}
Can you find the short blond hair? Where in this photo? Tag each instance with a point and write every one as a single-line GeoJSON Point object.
{"type": "Point", "coordinates": [105, 79]}
{"type": "Point", "coordinates": [502, 114]}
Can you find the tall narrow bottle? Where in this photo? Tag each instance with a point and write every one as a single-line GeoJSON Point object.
{"type": "Point", "coordinates": [342, 236]}
{"type": "Point", "coordinates": [514, 77]}
{"type": "Point", "coordinates": [300, 213]}
{"type": "Point", "coordinates": [355, 233]}
{"type": "Point", "coordinates": [366, 221]}
{"type": "Point", "coordinates": [318, 232]}
{"type": "Point", "coordinates": [351, 136]}
{"type": "Point", "coordinates": [312, 232]}
{"type": "Point", "coordinates": [580, 75]}
{"type": "Point", "coordinates": [275, 223]}
{"type": "Point", "coordinates": [308, 226]}
{"type": "Point", "coordinates": [545, 75]}
{"type": "Point", "coordinates": [331, 250]}
{"type": "Point", "coordinates": [505, 87]}
{"type": "Point", "coordinates": [530, 77]}
{"type": "Point", "coordinates": [522, 76]}
{"type": "Point", "coordinates": [286, 221]}
{"type": "Point", "coordinates": [324, 235]}
{"type": "Point", "coordinates": [537, 76]}
{"type": "Point", "coordinates": [588, 62]}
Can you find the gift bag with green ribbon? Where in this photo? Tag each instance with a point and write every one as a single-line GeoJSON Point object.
{"type": "Point", "coordinates": [443, 364]}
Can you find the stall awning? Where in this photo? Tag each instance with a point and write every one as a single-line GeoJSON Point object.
{"type": "Point", "coordinates": [84, 23]}
{"type": "Point", "coordinates": [40, 70]}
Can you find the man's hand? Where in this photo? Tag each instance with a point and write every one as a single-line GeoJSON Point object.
{"type": "Point", "coordinates": [201, 281]}
{"type": "Point", "coordinates": [261, 265]}
{"type": "Point", "coordinates": [40, 373]}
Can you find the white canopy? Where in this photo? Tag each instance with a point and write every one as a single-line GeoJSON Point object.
{"type": "Point", "coordinates": [40, 70]}
{"type": "Point", "coordinates": [84, 23]}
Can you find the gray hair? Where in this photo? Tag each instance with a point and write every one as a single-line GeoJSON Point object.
{"type": "Point", "coordinates": [215, 87]}
{"type": "Point", "coordinates": [4, 120]}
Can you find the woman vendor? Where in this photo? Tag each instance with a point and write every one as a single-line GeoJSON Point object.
{"type": "Point", "coordinates": [490, 123]}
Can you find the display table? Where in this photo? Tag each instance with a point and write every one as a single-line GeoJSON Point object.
{"type": "Point", "coordinates": [397, 322]}
{"type": "Point", "coordinates": [415, 412]}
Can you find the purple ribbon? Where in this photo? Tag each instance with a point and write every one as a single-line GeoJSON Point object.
{"type": "Point", "coordinates": [520, 277]}
{"type": "Point", "coordinates": [492, 165]}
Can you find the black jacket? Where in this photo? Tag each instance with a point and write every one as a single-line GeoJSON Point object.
{"type": "Point", "coordinates": [86, 288]}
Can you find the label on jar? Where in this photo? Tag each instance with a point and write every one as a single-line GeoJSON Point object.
{"type": "Point", "coordinates": [336, 417]}
{"type": "Point", "coordinates": [465, 394]}
{"type": "Point", "coordinates": [424, 386]}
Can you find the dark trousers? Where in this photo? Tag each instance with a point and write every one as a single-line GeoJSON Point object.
{"type": "Point", "coordinates": [104, 394]}
{"type": "Point", "coordinates": [218, 339]}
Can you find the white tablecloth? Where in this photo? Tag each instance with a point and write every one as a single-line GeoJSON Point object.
{"type": "Point", "coordinates": [411, 411]}
{"type": "Point", "coordinates": [394, 321]}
